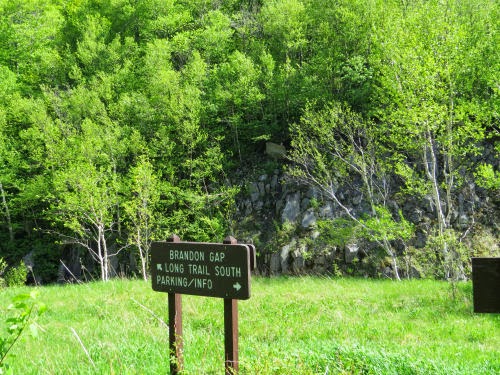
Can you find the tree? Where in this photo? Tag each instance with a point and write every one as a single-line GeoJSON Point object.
{"type": "Point", "coordinates": [334, 146]}
{"type": "Point", "coordinates": [236, 99]}
{"type": "Point", "coordinates": [11, 163]}
{"type": "Point", "coordinates": [16, 165]}
{"type": "Point", "coordinates": [5, 172]}
{"type": "Point", "coordinates": [86, 192]}
{"type": "Point", "coordinates": [197, 86]}
{"type": "Point", "coordinates": [432, 108]}
{"type": "Point", "coordinates": [141, 209]}
{"type": "Point", "coordinates": [28, 40]}
{"type": "Point", "coordinates": [86, 207]}
{"type": "Point", "coordinates": [284, 25]}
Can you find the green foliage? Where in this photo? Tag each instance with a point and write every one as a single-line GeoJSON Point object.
{"type": "Point", "coordinates": [12, 276]}
{"type": "Point", "coordinates": [415, 184]}
{"type": "Point", "coordinates": [325, 145]}
{"type": "Point", "coordinates": [454, 263]}
{"type": "Point", "coordinates": [90, 88]}
{"type": "Point", "coordinates": [425, 261]}
{"type": "Point", "coordinates": [383, 226]}
{"type": "Point", "coordinates": [484, 244]}
{"type": "Point", "coordinates": [337, 232]}
{"type": "Point", "coordinates": [284, 232]}
{"type": "Point", "coordinates": [284, 23]}
{"type": "Point", "coordinates": [3, 267]}
{"type": "Point", "coordinates": [424, 73]}
{"type": "Point", "coordinates": [333, 147]}
{"type": "Point", "coordinates": [141, 210]}
{"type": "Point", "coordinates": [16, 276]}
{"type": "Point", "coordinates": [487, 177]}
{"type": "Point", "coordinates": [21, 315]}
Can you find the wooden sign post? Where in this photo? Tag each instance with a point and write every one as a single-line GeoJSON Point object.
{"type": "Point", "coordinates": [175, 346]}
{"type": "Point", "coordinates": [204, 269]}
{"type": "Point", "coordinates": [231, 329]}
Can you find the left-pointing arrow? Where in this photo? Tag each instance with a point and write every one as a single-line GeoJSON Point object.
{"type": "Point", "coordinates": [158, 267]}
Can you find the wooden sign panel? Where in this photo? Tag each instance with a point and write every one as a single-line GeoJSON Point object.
{"type": "Point", "coordinates": [203, 269]}
{"type": "Point", "coordinates": [486, 285]}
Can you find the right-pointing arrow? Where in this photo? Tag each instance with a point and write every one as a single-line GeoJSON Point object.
{"type": "Point", "coordinates": [237, 286]}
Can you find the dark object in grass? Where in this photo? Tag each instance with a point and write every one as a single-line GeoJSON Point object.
{"type": "Point", "coordinates": [486, 285]}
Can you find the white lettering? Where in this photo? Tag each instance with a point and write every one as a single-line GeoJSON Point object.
{"type": "Point", "coordinates": [198, 269]}
{"type": "Point", "coordinates": [189, 255]}
{"type": "Point", "coordinates": [217, 257]}
{"type": "Point", "coordinates": [202, 283]}
{"type": "Point", "coordinates": [174, 268]}
{"type": "Point", "coordinates": [171, 280]}
{"type": "Point", "coordinates": [227, 271]}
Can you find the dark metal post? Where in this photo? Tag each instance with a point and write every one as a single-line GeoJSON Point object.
{"type": "Point", "coordinates": [231, 328]}
{"type": "Point", "coordinates": [175, 327]}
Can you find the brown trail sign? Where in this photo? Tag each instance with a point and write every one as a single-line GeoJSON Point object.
{"type": "Point", "coordinates": [204, 269]}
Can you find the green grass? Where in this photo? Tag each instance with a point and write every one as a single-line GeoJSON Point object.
{"type": "Point", "coordinates": [289, 326]}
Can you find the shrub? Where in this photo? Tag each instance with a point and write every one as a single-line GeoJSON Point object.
{"type": "Point", "coordinates": [484, 243]}
{"type": "Point", "coordinates": [3, 267]}
{"type": "Point", "coordinates": [16, 276]}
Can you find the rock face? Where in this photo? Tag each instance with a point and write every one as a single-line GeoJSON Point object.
{"type": "Point", "coordinates": [291, 211]}
{"type": "Point", "coordinates": [283, 220]}
{"type": "Point", "coordinates": [293, 229]}
{"type": "Point", "coordinates": [309, 219]}
{"type": "Point", "coordinates": [275, 151]}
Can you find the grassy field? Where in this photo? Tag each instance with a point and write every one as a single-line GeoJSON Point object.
{"type": "Point", "coordinates": [301, 326]}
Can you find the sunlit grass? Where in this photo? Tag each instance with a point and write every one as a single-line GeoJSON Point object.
{"type": "Point", "coordinates": [289, 326]}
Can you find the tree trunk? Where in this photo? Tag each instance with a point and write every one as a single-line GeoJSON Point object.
{"type": "Point", "coordinates": [390, 251]}
{"type": "Point", "coordinates": [7, 213]}
{"type": "Point", "coordinates": [431, 171]}
{"type": "Point", "coordinates": [105, 257]}
{"type": "Point", "coordinates": [395, 267]}
{"type": "Point", "coordinates": [142, 255]}
{"type": "Point", "coordinates": [101, 257]}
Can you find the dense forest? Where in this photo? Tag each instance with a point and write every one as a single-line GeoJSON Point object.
{"type": "Point", "coordinates": [123, 121]}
